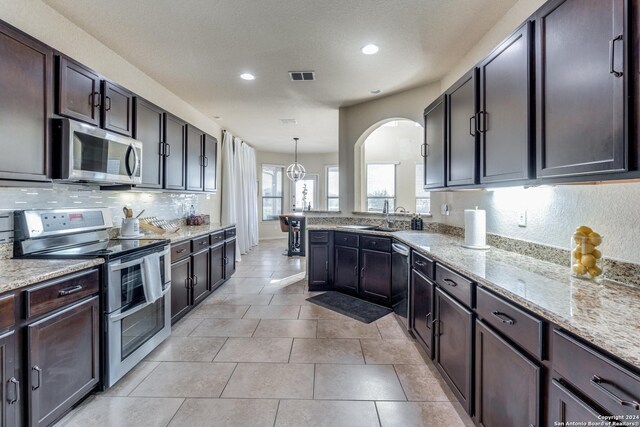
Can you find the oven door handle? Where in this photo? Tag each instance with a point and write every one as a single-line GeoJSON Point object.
{"type": "Point", "coordinates": [116, 317]}
{"type": "Point", "coordinates": [123, 265]}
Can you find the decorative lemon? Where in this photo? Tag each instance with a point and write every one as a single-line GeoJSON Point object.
{"type": "Point", "coordinates": [588, 260]}
{"type": "Point", "coordinates": [579, 237]}
{"type": "Point", "coordinates": [596, 254]}
{"type": "Point", "coordinates": [594, 238]}
{"type": "Point", "coordinates": [584, 230]}
{"type": "Point", "coordinates": [579, 268]}
{"type": "Point", "coordinates": [577, 253]}
{"type": "Point", "coordinates": [595, 271]}
{"type": "Point", "coordinates": [587, 248]}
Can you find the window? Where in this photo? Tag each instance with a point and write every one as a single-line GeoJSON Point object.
{"type": "Point", "coordinates": [381, 186]}
{"type": "Point", "coordinates": [306, 193]}
{"type": "Point", "coordinates": [271, 192]}
{"type": "Point", "coordinates": [333, 188]}
{"type": "Point", "coordinates": [423, 201]}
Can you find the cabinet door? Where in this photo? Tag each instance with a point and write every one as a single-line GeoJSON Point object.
{"type": "Point", "coordinates": [10, 386]}
{"type": "Point", "coordinates": [319, 260]}
{"type": "Point", "coordinates": [210, 163]}
{"type": "Point", "coordinates": [346, 269]}
{"type": "Point", "coordinates": [175, 152]}
{"type": "Point", "coordinates": [580, 82]}
{"type": "Point", "coordinates": [507, 383]}
{"type": "Point", "coordinates": [180, 288]}
{"type": "Point", "coordinates": [200, 276]}
{"type": "Point", "coordinates": [195, 159]}
{"type": "Point", "coordinates": [422, 310]}
{"type": "Point", "coordinates": [229, 258]}
{"type": "Point", "coordinates": [148, 130]}
{"type": "Point", "coordinates": [504, 121]}
{"type": "Point", "coordinates": [117, 108]}
{"type": "Point", "coordinates": [433, 150]}
{"type": "Point", "coordinates": [566, 407]}
{"type": "Point", "coordinates": [63, 360]}
{"type": "Point", "coordinates": [216, 269]}
{"type": "Point", "coordinates": [375, 275]}
{"type": "Point", "coordinates": [454, 351]}
{"type": "Point", "coordinates": [462, 146]}
{"type": "Point", "coordinates": [26, 101]}
{"type": "Point", "coordinates": [78, 92]}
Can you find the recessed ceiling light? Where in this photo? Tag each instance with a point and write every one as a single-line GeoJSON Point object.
{"type": "Point", "coordinates": [370, 49]}
{"type": "Point", "coordinates": [217, 118]}
{"type": "Point", "coordinates": [375, 91]}
{"type": "Point", "coordinates": [247, 76]}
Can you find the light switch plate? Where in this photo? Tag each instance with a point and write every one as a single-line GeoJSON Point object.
{"type": "Point", "coordinates": [522, 218]}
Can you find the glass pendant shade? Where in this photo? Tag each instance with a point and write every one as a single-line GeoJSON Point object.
{"type": "Point", "coordinates": [295, 171]}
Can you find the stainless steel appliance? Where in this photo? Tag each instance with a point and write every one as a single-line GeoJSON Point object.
{"type": "Point", "coordinates": [86, 153]}
{"type": "Point", "coordinates": [400, 281]}
{"type": "Point", "coordinates": [133, 324]}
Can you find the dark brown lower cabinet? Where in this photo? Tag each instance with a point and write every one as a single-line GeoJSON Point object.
{"type": "Point", "coordinates": [216, 269]}
{"type": "Point", "coordinates": [10, 387]}
{"type": "Point", "coordinates": [200, 275]}
{"type": "Point", "coordinates": [320, 264]}
{"type": "Point", "coordinates": [63, 360]}
{"type": "Point", "coordinates": [421, 317]}
{"type": "Point", "coordinates": [565, 407]}
{"type": "Point", "coordinates": [229, 258]}
{"type": "Point", "coordinates": [180, 288]}
{"type": "Point", "coordinates": [375, 275]}
{"type": "Point", "coordinates": [454, 347]}
{"type": "Point", "coordinates": [507, 383]}
{"type": "Point", "coordinates": [346, 269]}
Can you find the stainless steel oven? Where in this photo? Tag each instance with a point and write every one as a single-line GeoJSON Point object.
{"type": "Point", "coordinates": [134, 326]}
{"type": "Point", "coordinates": [87, 153]}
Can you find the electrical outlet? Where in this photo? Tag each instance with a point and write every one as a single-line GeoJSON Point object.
{"type": "Point", "coordinates": [522, 218]}
{"type": "Point", "coordinates": [444, 209]}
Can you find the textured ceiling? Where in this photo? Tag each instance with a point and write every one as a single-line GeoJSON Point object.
{"type": "Point", "coordinates": [198, 48]}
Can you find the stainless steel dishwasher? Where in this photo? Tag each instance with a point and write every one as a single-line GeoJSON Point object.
{"type": "Point", "coordinates": [400, 281]}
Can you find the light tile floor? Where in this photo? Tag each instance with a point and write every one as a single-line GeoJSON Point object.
{"type": "Point", "coordinates": [256, 353]}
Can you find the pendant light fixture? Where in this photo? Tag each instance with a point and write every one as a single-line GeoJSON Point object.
{"type": "Point", "coordinates": [295, 171]}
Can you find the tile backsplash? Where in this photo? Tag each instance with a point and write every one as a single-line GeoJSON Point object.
{"type": "Point", "coordinates": [157, 204]}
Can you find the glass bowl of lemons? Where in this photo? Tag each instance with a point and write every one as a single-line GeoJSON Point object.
{"type": "Point", "coordinates": [586, 254]}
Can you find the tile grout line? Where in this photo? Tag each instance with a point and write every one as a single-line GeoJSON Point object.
{"type": "Point", "coordinates": [228, 380]}
{"type": "Point", "coordinates": [220, 349]}
{"type": "Point", "coordinates": [276, 417]}
{"type": "Point", "coordinates": [256, 329]}
{"type": "Point", "coordinates": [400, 382]}
{"type": "Point", "coordinates": [184, 400]}
{"type": "Point", "coordinates": [375, 404]}
{"type": "Point", "coordinates": [313, 390]}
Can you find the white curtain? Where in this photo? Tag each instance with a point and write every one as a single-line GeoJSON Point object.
{"type": "Point", "coordinates": [240, 192]}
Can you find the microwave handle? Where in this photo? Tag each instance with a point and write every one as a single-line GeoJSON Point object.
{"type": "Point", "coordinates": [126, 160]}
{"type": "Point", "coordinates": [116, 317]}
{"type": "Point", "coordinates": [136, 160]}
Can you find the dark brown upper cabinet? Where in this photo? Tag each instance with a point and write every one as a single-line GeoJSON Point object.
{"type": "Point", "coordinates": [174, 153]}
{"type": "Point", "coordinates": [195, 159]}
{"type": "Point", "coordinates": [148, 129]}
{"type": "Point", "coordinates": [505, 121]}
{"type": "Point", "coordinates": [117, 111]}
{"type": "Point", "coordinates": [462, 136]}
{"type": "Point", "coordinates": [78, 91]}
{"type": "Point", "coordinates": [210, 163]}
{"type": "Point", "coordinates": [433, 149]}
{"type": "Point", "coordinates": [581, 84]}
{"type": "Point", "coordinates": [26, 103]}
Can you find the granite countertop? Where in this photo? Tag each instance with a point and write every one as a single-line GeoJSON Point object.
{"type": "Point", "coordinates": [186, 232]}
{"type": "Point", "coordinates": [603, 314]}
{"type": "Point", "coordinates": [17, 273]}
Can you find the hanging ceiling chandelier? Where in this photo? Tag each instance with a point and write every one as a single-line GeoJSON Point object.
{"type": "Point", "coordinates": [295, 171]}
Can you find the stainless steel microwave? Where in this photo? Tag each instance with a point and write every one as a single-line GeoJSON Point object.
{"type": "Point", "coordinates": [85, 153]}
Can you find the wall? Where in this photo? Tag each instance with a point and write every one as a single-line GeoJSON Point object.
{"type": "Point", "coordinates": [313, 164]}
{"type": "Point", "coordinates": [42, 22]}
{"type": "Point", "coordinates": [398, 144]}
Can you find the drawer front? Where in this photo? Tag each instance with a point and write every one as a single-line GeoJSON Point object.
{"type": "Point", "coordinates": [180, 251]}
{"type": "Point", "coordinates": [318, 237]}
{"type": "Point", "coordinates": [520, 327]}
{"type": "Point", "coordinates": [454, 284]}
{"type": "Point", "coordinates": [614, 387]}
{"type": "Point", "coordinates": [49, 296]}
{"type": "Point", "coordinates": [215, 238]}
{"type": "Point", "coordinates": [423, 264]}
{"type": "Point", "coordinates": [376, 243]}
{"type": "Point", "coordinates": [345, 239]}
{"type": "Point", "coordinates": [230, 233]}
{"type": "Point", "coordinates": [200, 243]}
{"type": "Point", "coordinates": [7, 311]}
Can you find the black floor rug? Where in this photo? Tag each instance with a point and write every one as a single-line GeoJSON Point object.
{"type": "Point", "coordinates": [350, 306]}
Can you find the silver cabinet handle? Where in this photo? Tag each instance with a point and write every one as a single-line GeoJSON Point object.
{"type": "Point", "coordinates": [612, 48]}
{"type": "Point", "coordinates": [599, 384]}
{"type": "Point", "coordinates": [70, 290]}
{"type": "Point", "coordinates": [38, 372]}
{"type": "Point", "coordinates": [16, 390]}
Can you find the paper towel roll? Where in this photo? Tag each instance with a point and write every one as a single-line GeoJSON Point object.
{"type": "Point", "coordinates": [475, 229]}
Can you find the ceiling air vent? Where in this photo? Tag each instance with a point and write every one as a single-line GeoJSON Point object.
{"type": "Point", "coordinates": [299, 76]}
{"type": "Point", "coordinates": [289, 121]}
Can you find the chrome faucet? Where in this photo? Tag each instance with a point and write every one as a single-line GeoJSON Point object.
{"type": "Point", "coordinates": [385, 210]}
{"type": "Point", "coordinates": [402, 210]}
